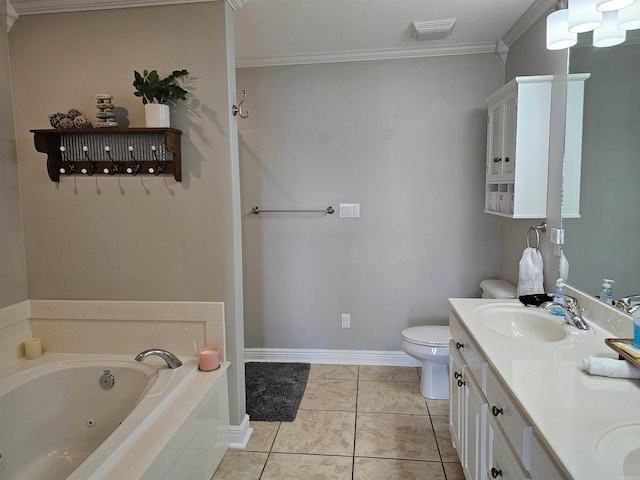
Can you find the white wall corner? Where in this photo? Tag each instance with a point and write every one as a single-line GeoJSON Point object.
{"type": "Point", "coordinates": [537, 9]}
{"type": "Point", "coordinates": [237, 4]}
{"type": "Point", "coordinates": [502, 50]}
{"type": "Point", "coordinates": [8, 15]}
{"type": "Point", "coordinates": [239, 434]}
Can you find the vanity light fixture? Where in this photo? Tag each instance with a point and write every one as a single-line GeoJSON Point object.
{"type": "Point", "coordinates": [629, 17]}
{"type": "Point", "coordinates": [609, 34]}
{"type": "Point", "coordinates": [610, 5]}
{"type": "Point", "coordinates": [558, 34]}
{"type": "Point", "coordinates": [583, 16]}
{"type": "Point", "coordinates": [608, 19]}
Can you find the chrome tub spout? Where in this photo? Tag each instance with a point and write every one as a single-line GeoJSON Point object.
{"type": "Point", "coordinates": [170, 358]}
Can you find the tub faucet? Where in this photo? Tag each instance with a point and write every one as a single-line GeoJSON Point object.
{"type": "Point", "coordinates": [571, 309]}
{"type": "Point", "coordinates": [170, 358]}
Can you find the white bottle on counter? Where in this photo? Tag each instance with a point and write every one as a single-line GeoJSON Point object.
{"type": "Point", "coordinates": [606, 294]}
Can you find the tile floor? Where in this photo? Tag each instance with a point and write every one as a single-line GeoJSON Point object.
{"type": "Point", "coordinates": [354, 423]}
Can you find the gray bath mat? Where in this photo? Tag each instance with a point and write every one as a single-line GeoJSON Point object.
{"type": "Point", "coordinates": [274, 390]}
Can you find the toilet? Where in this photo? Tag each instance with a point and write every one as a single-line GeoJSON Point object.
{"type": "Point", "coordinates": [429, 344]}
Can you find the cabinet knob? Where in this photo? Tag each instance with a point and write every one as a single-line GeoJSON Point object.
{"type": "Point", "coordinates": [459, 345]}
{"type": "Point", "coordinates": [461, 383]}
{"type": "Point", "coordinates": [457, 374]}
{"type": "Point", "coordinates": [496, 411]}
{"type": "Point", "coordinates": [497, 159]}
{"type": "Point", "coordinates": [495, 473]}
{"type": "Point", "coordinates": [506, 159]}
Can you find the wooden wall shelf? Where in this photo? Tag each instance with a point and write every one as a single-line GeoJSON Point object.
{"type": "Point", "coordinates": [110, 151]}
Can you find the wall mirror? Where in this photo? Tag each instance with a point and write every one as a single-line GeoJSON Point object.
{"type": "Point", "coordinates": [602, 232]}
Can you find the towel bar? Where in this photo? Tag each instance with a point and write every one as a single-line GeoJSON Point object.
{"type": "Point", "coordinates": [258, 210]}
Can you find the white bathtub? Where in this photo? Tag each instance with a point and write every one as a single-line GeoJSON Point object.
{"type": "Point", "coordinates": [57, 422]}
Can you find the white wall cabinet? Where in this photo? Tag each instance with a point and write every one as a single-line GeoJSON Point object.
{"type": "Point", "coordinates": [491, 434]}
{"type": "Point", "coordinates": [517, 162]}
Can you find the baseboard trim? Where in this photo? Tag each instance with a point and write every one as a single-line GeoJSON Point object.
{"type": "Point", "coordinates": [239, 434]}
{"type": "Point", "coordinates": [337, 357]}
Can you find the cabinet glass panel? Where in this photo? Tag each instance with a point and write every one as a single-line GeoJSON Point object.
{"type": "Point", "coordinates": [495, 149]}
{"type": "Point", "coordinates": [509, 149]}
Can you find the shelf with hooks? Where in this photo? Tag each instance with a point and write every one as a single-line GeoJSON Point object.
{"type": "Point", "coordinates": [110, 151]}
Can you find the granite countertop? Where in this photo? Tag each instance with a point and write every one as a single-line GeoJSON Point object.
{"type": "Point", "coordinates": [576, 415]}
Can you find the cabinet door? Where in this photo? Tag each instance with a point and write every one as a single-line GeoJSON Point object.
{"type": "Point", "coordinates": [475, 438]}
{"type": "Point", "coordinates": [510, 115]}
{"type": "Point", "coordinates": [456, 387]}
{"type": "Point", "coordinates": [494, 138]}
{"type": "Point", "coordinates": [501, 463]}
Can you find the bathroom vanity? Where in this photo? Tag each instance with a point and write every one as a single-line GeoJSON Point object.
{"type": "Point", "coordinates": [522, 407]}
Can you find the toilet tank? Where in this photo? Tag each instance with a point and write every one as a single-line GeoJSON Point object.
{"type": "Point", "coordinates": [497, 289]}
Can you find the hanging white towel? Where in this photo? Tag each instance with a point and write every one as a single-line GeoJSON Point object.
{"type": "Point", "coordinates": [609, 367]}
{"type": "Point", "coordinates": [531, 272]}
{"type": "Point", "coordinates": [564, 267]}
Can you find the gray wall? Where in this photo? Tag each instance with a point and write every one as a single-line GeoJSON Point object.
{"type": "Point", "coordinates": [13, 280]}
{"type": "Point", "coordinates": [529, 56]}
{"type": "Point", "coordinates": [404, 138]}
{"type": "Point", "coordinates": [144, 238]}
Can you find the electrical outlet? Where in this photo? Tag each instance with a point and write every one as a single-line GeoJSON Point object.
{"type": "Point", "coordinates": [346, 320]}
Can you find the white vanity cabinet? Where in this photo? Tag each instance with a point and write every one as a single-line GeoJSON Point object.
{"type": "Point", "coordinates": [518, 148]}
{"type": "Point", "coordinates": [490, 431]}
{"type": "Point", "coordinates": [478, 408]}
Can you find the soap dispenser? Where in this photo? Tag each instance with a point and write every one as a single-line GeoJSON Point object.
{"type": "Point", "coordinates": [606, 295]}
{"type": "Point", "coordinates": [558, 295]}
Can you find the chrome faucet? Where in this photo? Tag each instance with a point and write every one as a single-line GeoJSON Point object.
{"type": "Point", "coordinates": [170, 358]}
{"type": "Point", "coordinates": [571, 310]}
{"type": "Point", "coordinates": [629, 304]}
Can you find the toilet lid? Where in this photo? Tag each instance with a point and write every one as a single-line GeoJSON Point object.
{"type": "Point", "coordinates": [432, 335]}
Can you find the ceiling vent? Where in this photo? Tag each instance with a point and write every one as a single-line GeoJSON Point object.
{"type": "Point", "coordinates": [432, 29]}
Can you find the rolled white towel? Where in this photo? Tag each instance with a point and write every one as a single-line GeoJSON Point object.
{"type": "Point", "coordinates": [609, 367]}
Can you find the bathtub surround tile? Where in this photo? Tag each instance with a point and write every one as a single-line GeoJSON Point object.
{"type": "Point", "coordinates": [317, 432]}
{"type": "Point", "coordinates": [13, 314]}
{"type": "Point", "coordinates": [391, 397]}
{"type": "Point", "coordinates": [240, 465]}
{"type": "Point", "coordinates": [389, 374]}
{"type": "Point", "coordinates": [322, 394]}
{"type": "Point", "coordinates": [264, 433]}
{"type": "Point", "coordinates": [76, 326]}
{"type": "Point", "coordinates": [385, 469]}
{"type": "Point", "coordinates": [285, 466]}
{"type": "Point", "coordinates": [334, 372]}
{"type": "Point", "coordinates": [398, 436]}
{"type": "Point", "coordinates": [12, 340]}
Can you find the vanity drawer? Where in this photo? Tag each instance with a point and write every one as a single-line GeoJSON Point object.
{"type": "Point", "coordinates": [505, 414]}
{"type": "Point", "coordinates": [501, 460]}
{"type": "Point", "coordinates": [461, 341]}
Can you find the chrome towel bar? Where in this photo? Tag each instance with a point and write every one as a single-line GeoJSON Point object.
{"type": "Point", "coordinates": [258, 210]}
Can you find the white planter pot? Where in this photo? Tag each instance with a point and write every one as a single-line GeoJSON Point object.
{"type": "Point", "coordinates": [156, 115]}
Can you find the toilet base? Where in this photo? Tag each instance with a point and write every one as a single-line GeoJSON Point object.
{"type": "Point", "coordinates": [434, 381]}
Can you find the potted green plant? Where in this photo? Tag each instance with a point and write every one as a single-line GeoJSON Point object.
{"type": "Point", "coordinates": [157, 93]}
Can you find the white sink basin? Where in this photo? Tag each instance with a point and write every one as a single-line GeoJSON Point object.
{"type": "Point", "coordinates": [619, 449]}
{"type": "Point", "coordinates": [522, 323]}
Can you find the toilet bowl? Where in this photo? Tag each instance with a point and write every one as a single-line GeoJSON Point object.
{"type": "Point", "coordinates": [430, 346]}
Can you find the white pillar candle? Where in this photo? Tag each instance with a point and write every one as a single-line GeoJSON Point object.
{"type": "Point", "coordinates": [33, 348]}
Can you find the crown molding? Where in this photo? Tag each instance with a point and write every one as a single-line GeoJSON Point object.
{"type": "Point", "coordinates": [34, 7]}
{"type": "Point", "coordinates": [537, 9]}
{"type": "Point", "coordinates": [237, 4]}
{"type": "Point", "coordinates": [364, 55]}
{"type": "Point", "coordinates": [8, 15]}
